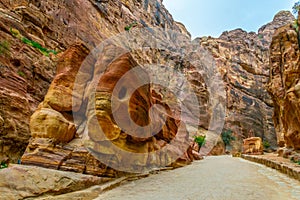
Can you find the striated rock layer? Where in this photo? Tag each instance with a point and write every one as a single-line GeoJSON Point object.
{"type": "Point", "coordinates": [99, 142]}
{"type": "Point", "coordinates": [57, 139]}
{"type": "Point", "coordinates": [243, 60]}
{"type": "Point", "coordinates": [284, 85]}
{"type": "Point", "coordinates": [26, 72]}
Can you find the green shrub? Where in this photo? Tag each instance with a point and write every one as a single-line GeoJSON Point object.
{"type": "Point", "coordinates": [20, 73]}
{"type": "Point", "coordinates": [266, 144]}
{"type": "Point", "coordinates": [296, 7]}
{"type": "Point", "coordinates": [227, 137]}
{"type": "Point", "coordinates": [38, 46]}
{"type": "Point", "coordinates": [292, 159]}
{"type": "Point", "coordinates": [3, 165]}
{"type": "Point", "coordinates": [4, 47]}
{"type": "Point", "coordinates": [200, 140]}
{"type": "Point", "coordinates": [127, 28]}
{"type": "Point", "coordinates": [15, 32]}
{"type": "Point", "coordinates": [32, 43]}
{"type": "Point", "coordinates": [296, 25]}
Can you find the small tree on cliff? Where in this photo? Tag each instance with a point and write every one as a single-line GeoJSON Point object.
{"type": "Point", "coordinates": [227, 137]}
{"type": "Point", "coordinates": [296, 7]}
{"type": "Point", "coordinates": [200, 140]}
{"type": "Point", "coordinates": [296, 10]}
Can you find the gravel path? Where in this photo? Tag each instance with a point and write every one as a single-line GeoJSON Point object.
{"type": "Point", "coordinates": [215, 178]}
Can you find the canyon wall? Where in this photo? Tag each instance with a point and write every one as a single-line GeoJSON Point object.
{"type": "Point", "coordinates": [26, 72]}
{"type": "Point", "coordinates": [44, 38]}
{"type": "Point", "coordinates": [243, 60]}
{"type": "Point", "coordinates": [284, 84]}
{"type": "Point", "coordinates": [44, 43]}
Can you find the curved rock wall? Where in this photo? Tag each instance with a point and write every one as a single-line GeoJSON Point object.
{"type": "Point", "coordinates": [56, 144]}
{"type": "Point", "coordinates": [284, 85]}
{"type": "Point", "coordinates": [26, 74]}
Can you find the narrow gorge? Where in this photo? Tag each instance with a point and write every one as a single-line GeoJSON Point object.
{"type": "Point", "coordinates": [68, 110]}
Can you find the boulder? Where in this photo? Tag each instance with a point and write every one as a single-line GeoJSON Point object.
{"type": "Point", "coordinates": [110, 135]}
{"type": "Point", "coordinates": [21, 182]}
{"type": "Point", "coordinates": [253, 145]}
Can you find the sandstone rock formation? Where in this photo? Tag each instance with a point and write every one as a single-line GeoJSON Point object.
{"type": "Point", "coordinates": [243, 60]}
{"type": "Point", "coordinates": [26, 74]}
{"type": "Point", "coordinates": [219, 148]}
{"type": "Point", "coordinates": [66, 116]}
{"type": "Point", "coordinates": [195, 151]}
{"type": "Point", "coordinates": [284, 85]}
{"type": "Point", "coordinates": [57, 144]}
{"type": "Point", "coordinates": [58, 25]}
{"type": "Point", "coordinates": [253, 145]}
{"type": "Point", "coordinates": [21, 182]}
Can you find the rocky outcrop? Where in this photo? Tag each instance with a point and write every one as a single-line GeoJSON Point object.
{"type": "Point", "coordinates": [43, 34]}
{"type": "Point", "coordinates": [37, 40]}
{"type": "Point", "coordinates": [57, 139]}
{"type": "Point", "coordinates": [243, 60]}
{"type": "Point", "coordinates": [253, 145]}
{"type": "Point", "coordinates": [103, 139]}
{"type": "Point", "coordinates": [284, 85]}
{"type": "Point", "coordinates": [219, 148]}
{"type": "Point", "coordinates": [21, 182]}
{"type": "Point", "coordinates": [26, 70]}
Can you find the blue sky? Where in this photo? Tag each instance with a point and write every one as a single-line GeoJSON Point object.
{"type": "Point", "coordinates": [212, 17]}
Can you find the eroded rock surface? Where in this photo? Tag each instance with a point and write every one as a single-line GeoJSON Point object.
{"type": "Point", "coordinates": [103, 140]}
{"type": "Point", "coordinates": [21, 182]}
{"type": "Point", "coordinates": [284, 85]}
{"type": "Point", "coordinates": [243, 60]}
{"type": "Point", "coordinates": [253, 145]}
{"type": "Point", "coordinates": [219, 148]}
{"type": "Point", "coordinates": [26, 73]}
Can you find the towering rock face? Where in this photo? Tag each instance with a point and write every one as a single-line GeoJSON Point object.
{"type": "Point", "coordinates": [39, 39]}
{"type": "Point", "coordinates": [67, 135]}
{"type": "Point", "coordinates": [57, 144]}
{"type": "Point", "coordinates": [243, 60]}
{"type": "Point", "coordinates": [26, 73]}
{"type": "Point", "coordinates": [284, 85]}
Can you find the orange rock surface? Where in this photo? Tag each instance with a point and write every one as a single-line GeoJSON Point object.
{"type": "Point", "coordinates": [284, 85]}
{"type": "Point", "coordinates": [253, 145]}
